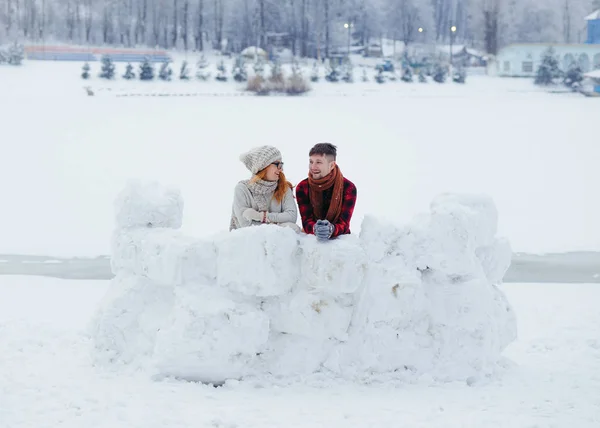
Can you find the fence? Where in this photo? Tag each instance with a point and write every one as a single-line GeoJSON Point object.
{"type": "Point", "coordinates": [70, 53]}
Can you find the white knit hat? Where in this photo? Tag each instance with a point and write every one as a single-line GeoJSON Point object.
{"type": "Point", "coordinates": [259, 158]}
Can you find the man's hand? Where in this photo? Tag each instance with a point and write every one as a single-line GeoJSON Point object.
{"type": "Point", "coordinates": [252, 214]}
{"type": "Point", "coordinates": [323, 230]}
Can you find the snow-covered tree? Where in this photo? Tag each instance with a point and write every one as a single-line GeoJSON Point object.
{"type": "Point", "coordinates": [221, 72]}
{"type": "Point", "coordinates": [573, 77]}
{"type": "Point", "coordinates": [146, 70]}
{"type": "Point", "coordinates": [407, 74]}
{"type": "Point", "coordinates": [16, 53]}
{"type": "Point", "coordinates": [332, 74]}
{"type": "Point", "coordinates": [314, 26]}
{"type": "Point", "coordinates": [460, 75]}
{"type": "Point", "coordinates": [129, 74]}
{"type": "Point", "coordinates": [86, 71]}
{"type": "Point", "coordinates": [165, 71]}
{"type": "Point", "coordinates": [202, 73]}
{"type": "Point", "coordinates": [314, 75]}
{"type": "Point", "coordinates": [239, 72]}
{"type": "Point", "coordinates": [440, 73]}
{"type": "Point", "coordinates": [548, 69]}
{"type": "Point", "coordinates": [347, 73]}
{"type": "Point", "coordinates": [107, 71]}
{"type": "Point", "coordinates": [184, 72]}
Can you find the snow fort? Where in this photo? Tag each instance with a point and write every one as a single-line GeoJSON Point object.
{"type": "Point", "coordinates": [423, 298]}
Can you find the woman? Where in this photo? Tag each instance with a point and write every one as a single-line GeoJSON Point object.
{"type": "Point", "coordinates": [267, 197]}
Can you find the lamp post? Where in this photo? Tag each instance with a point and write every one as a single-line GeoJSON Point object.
{"type": "Point", "coordinates": [452, 33]}
{"type": "Point", "coordinates": [348, 26]}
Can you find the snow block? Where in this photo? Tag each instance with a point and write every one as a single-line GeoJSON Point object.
{"type": "Point", "coordinates": [335, 269]}
{"type": "Point", "coordinates": [209, 337]}
{"type": "Point", "coordinates": [165, 256]}
{"type": "Point", "coordinates": [124, 327]}
{"type": "Point", "coordinates": [418, 299]}
{"type": "Point", "coordinates": [258, 261]}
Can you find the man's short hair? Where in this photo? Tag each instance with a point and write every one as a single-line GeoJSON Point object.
{"type": "Point", "coordinates": [326, 149]}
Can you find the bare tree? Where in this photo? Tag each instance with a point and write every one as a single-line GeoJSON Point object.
{"type": "Point", "coordinates": [491, 14]}
{"type": "Point", "coordinates": [200, 26]}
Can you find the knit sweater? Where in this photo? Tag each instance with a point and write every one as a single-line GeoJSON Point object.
{"type": "Point", "coordinates": [246, 196]}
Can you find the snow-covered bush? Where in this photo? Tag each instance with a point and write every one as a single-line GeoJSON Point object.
{"type": "Point", "coordinates": [422, 299]}
{"type": "Point", "coordinates": [13, 55]}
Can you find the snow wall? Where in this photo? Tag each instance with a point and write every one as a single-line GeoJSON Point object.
{"type": "Point", "coordinates": [422, 299]}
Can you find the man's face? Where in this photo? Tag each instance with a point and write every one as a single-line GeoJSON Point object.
{"type": "Point", "coordinates": [320, 165]}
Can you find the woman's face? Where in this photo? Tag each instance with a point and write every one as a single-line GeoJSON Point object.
{"type": "Point", "coordinates": [273, 171]}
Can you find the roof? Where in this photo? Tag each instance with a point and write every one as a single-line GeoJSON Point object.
{"type": "Point", "coordinates": [595, 15]}
{"type": "Point", "coordinates": [593, 74]}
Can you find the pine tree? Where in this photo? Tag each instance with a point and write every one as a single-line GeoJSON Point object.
{"type": "Point", "coordinates": [165, 72]}
{"type": "Point", "coordinates": [221, 72]}
{"type": "Point", "coordinates": [184, 73]}
{"type": "Point", "coordinates": [332, 74]}
{"type": "Point", "coordinates": [314, 76]}
{"type": "Point", "coordinates": [407, 74]}
{"type": "Point", "coordinates": [348, 75]}
{"type": "Point", "coordinates": [573, 77]}
{"type": "Point", "coordinates": [365, 77]}
{"type": "Point", "coordinates": [440, 73]}
{"type": "Point", "coordinates": [129, 74]}
{"type": "Point", "coordinates": [460, 76]}
{"type": "Point", "coordinates": [146, 70]}
{"type": "Point", "coordinates": [202, 73]}
{"type": "Point", "coordinates": [548, 69]}
{"type": "Point", "coordinates": [239, 70]}
{"type": "Point", "coordinates": [86, 71]}
{"type": "Point", "coordinates": [422, 76]}
{"type": "Point", "coordinates": [108, 68]}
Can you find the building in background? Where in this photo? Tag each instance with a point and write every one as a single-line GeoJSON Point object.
{"type": "Point", "coordinates": [523, 59]}
{"type": "Point", "coordinates": [593, 26]}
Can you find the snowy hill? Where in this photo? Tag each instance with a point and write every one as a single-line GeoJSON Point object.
{"type": "Point", "coordinates": [421, 299]}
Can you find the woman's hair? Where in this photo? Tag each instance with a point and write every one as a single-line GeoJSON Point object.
{"type": "Point", "coordinates": [282, 184]}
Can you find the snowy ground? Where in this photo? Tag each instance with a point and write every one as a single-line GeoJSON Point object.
{"type": "Point", "coordinates": [46, 378]}
{"type": "Point", "coordinates": [66, 155]}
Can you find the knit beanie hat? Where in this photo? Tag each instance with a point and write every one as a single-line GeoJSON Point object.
{"type": "Point", "coordinates": [259, 158]}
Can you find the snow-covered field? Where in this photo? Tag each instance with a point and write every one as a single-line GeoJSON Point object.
{"type": "Point", "coordinates": [65, 155]}
{"type": "Point", "coordinates": [47, 380]}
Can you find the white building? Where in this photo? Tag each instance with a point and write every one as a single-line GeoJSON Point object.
{"type": "Point", "coordinates": [522, 60]}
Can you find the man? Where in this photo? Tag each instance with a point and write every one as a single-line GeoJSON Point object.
{"type": "Point", "coordinates": [325, 199]}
